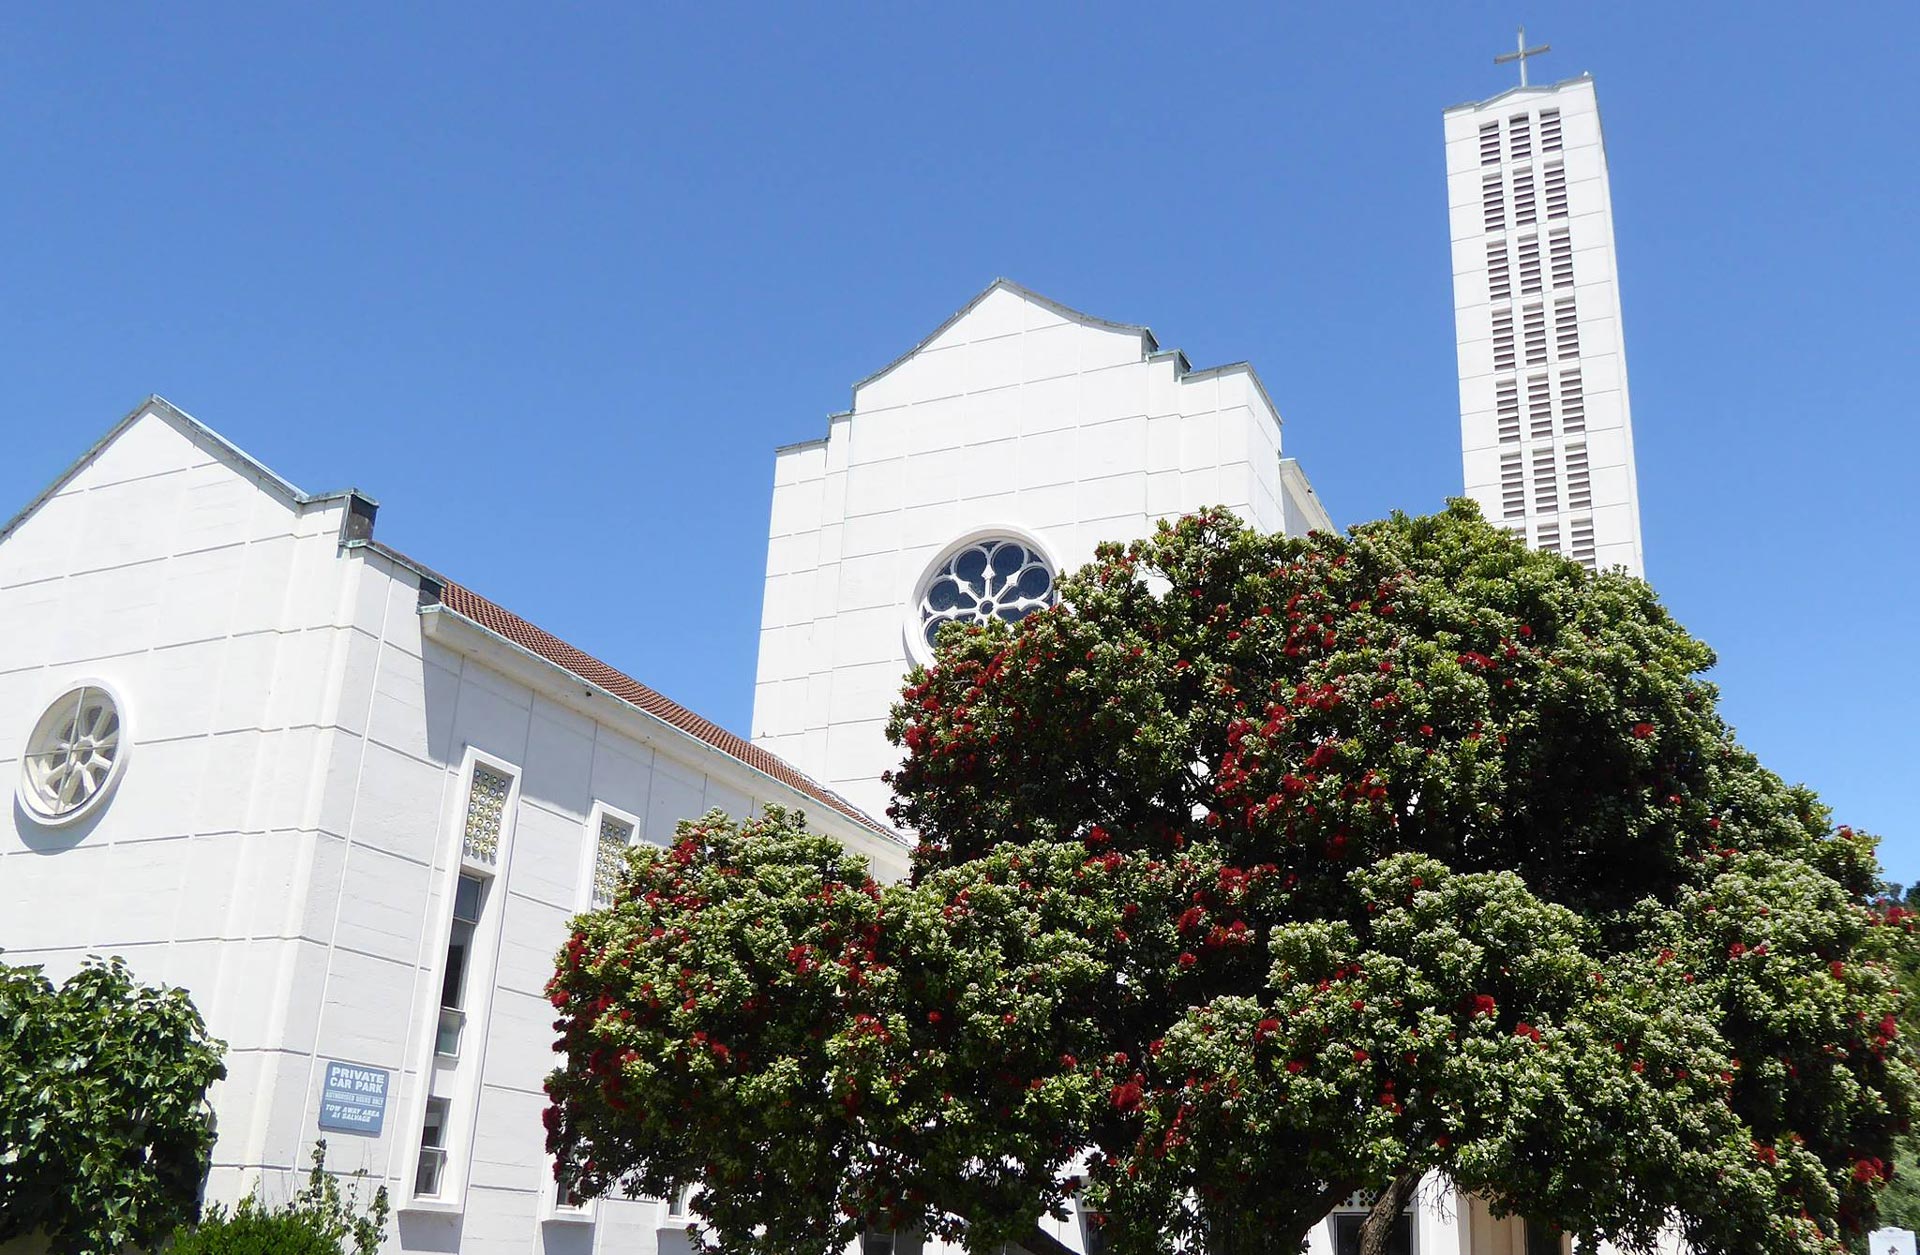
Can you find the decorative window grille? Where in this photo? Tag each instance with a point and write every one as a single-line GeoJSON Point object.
{"type": "Point", "coordinates": [1513, 492]}
{"type": "Point", "coordinates": [1566, 328]}
{"type": "Point", "coordinates": [486, 812]}
{"type": "Point", "coordinates": [1560, 255]}
{"type": "Point", "coordinates": [1556, 190]}
{"type": "Point", "coordinates": [1535, 328]}
{"type": "Point", "coordinates": [1523, 204]}
{"type": "Point", "coordinates": [1573, 402]}
{"type": "Point", "coordinates": [1546, 494]}
{"type": "Point", "coordinates": [1549, 538]}
{"type": "Point", "coordinates": [1549, 130]}
{"type": "Point", "coordinates": [1503, 339]}
{"type": "Point", "coordinates": [1490, 143]}
{"type": "Point", "coordinates": [1499, 281]}
{"type": "Point", "coordinates": [1539, 408]}
{"type": "Point", "coordinates": [1581, 531]}
{"type": "Point", "coordinates": [1507, 410]}
{"type": "Point", "coordinates": [610, 858]}
{"type": "Point", "coordinates": [1520, 136]}
{"type": "Point", "coordinates": [1579, 479]}
{"type": "Point", "coordinates": [1529, 265]}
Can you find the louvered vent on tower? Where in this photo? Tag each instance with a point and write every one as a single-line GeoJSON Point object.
{"type": "Point", "coordinates": [1556, 180]}
{"type": "Point", "coordinates": [1566, 329]}
{"type": "Point", "coordinates": [1503, 339]}
{"type": "Point", "coordinates": [1507, 408]}
{"type": "Point", "coordinates": [1539, 409]}
{"type": "Point", "coordinates": [1549, 131]}
{"type": "Point", "coordinates": [1560, 256]}
{"type": "Point", "coordinates": [1549, 538]}
{"type": "Point", "coordinates": [1522, 197]}
{"type": "Point", "coordinates": [1499, 283]}
{"type": "Point", "coordinates": [1546, 493]}
{"type": "Point", "coordinates": [1582, 535]}
{"type": "Point", "coordinates": [1519, 137]}
{"type": "Point", "coordinates": [1513, 489]}
{"type": "Point", "coordinates": [1535, 324]}
{"type": "Point", "coordinates": [1579, 479]}
{"type": "Point", "coordinates": [1529, 265]}
{"type": "Point", "coordinates": [1490, 143]}
{"type": "Point", "coordinates": [1493, 202]}
{"type": "Point", "coordinates": [1573, 402]}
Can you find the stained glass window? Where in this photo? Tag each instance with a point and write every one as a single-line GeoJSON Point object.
{"type": "Point", "coordinates": [989, 579]}
{"type": "Point", "coordinates": [486, 812]}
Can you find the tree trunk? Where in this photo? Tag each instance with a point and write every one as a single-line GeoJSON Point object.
{"type": "Point", "coordinates": [1377, 1230]}
{"type": "Point", "coordinates": [1040, 1242]}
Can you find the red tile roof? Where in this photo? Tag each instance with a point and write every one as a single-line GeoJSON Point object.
{"type": "Point", "coordinates": [503, 622]}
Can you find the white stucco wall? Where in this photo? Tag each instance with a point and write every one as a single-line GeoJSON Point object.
{"type": "Point", "coordinates": [1020, 416]}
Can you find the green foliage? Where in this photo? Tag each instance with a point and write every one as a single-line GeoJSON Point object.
{"type": "Point", "coordinates": [105, 1133]}
{"type": "Point", "coordinates": [318, 1220]}
{"type": "Point", "coordinates": [1259, 871]}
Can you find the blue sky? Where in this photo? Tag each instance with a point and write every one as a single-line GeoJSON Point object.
{"type": "Point", "coordinates": [551, 282]}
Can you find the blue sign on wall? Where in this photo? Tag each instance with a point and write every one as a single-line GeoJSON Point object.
{"type": "Point", "coordinates": [353, 1099]}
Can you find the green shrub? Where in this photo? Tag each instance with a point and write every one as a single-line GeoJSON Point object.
{"type": "Point", "coordinates": [318, 1220]}
{"type": "Point", "coordinates": [105, 1133]}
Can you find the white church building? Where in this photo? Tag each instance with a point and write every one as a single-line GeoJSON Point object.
{"type": "Point", "coordinates": [350, 804]}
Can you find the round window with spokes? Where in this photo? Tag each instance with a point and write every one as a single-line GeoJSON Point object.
{"type": "Point", "coordinates": [74, 756]}
{"type": "Point", "coordinates": [994, 578]}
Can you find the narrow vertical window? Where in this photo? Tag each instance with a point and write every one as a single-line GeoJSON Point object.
{"type": "Point", "coordinates": [431, 1167]}
{"type": "Point", "coordinates": [453, 984]}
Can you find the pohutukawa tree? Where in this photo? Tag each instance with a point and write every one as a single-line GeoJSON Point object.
{"type": "Point", "coordinates": [1257, 872]}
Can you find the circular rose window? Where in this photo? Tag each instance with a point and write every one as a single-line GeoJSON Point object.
{"type": "Point", "coordinates": [74, 756]}
{"type": "Point", "coordinates": [988, 579]}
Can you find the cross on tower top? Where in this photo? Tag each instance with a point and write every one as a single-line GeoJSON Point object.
{"type": "Point", "coordinates": [1520, 53]}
